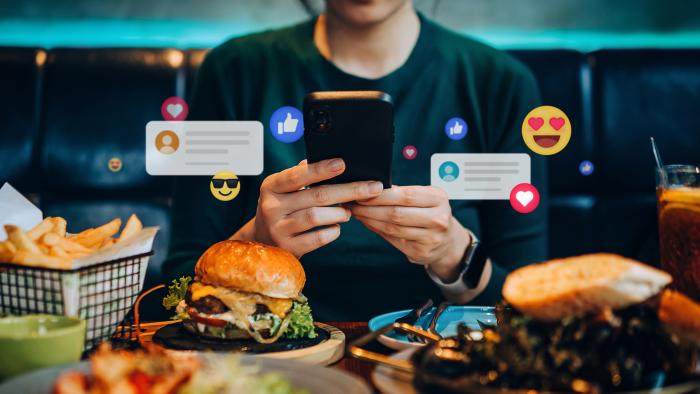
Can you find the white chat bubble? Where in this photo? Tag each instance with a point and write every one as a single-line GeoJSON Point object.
{"type": "Point", "coordinates": [204, 147]}
{"type": "Point", "coordinates": [479, 176]}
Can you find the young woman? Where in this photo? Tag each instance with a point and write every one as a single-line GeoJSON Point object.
{"type": "Point", "coordinates": [367, 250]}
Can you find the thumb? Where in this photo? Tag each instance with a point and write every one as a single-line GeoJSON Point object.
{"type": "Point", "coordinates": [289, 116]}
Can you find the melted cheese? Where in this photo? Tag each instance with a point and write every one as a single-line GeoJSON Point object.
{"type": "Point", "coordinates": [199, 290]}
{"type": "Point", "coordinates": [243, 304]}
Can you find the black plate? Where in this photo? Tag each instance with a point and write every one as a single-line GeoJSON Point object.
{"type": "Point", "coordinates": [175, 336]}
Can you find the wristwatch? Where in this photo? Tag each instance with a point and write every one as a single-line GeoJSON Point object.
{"type": "Point", "coordinates": [471, 268]}
{"type": "Point", "coordinates": [473, 262]}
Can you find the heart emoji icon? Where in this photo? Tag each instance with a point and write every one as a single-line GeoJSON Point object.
{"type": "Point", "coordinates": [524, 197]}
{"type": "Point", "coordinates": [174, 109]}
{"type": "Point", "coordinates": [535, 122]}
{"type": "Point", "coordinates": [410, 152]}
{"type": "Point", "coordinates": [557, 123]}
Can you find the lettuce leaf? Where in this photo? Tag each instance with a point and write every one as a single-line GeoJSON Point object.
{"type": "Point", "coordinates": [301, 323]}
{"type": "Point", "coordinates": [176, 292]}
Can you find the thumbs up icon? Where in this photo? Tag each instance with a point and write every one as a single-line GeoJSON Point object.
{"type": "Point", "coordinates": [456, 129]}
{"type": "Point", "coordinates": [288, 126]}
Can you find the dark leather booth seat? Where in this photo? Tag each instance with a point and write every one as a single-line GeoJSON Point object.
{"type": "Point", "coordinates": [19, 84]}
{"type": "Point", "coordinates": [638, 94]}
{"type": "Point", "coordinates": [96, 105]}
{"type": "Point", "coordinates": [93, 104]}
{"type": "Point", "coordinates": [564, 78]}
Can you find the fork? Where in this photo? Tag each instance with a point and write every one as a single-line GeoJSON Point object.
{"type": "Point", "coordinates": [433, 322]}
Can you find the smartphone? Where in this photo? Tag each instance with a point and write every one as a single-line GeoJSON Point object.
{"type": "Point", "coordinates": [356, 126]}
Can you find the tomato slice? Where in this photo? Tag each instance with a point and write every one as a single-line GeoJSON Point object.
{"type": "Point", "coordinates": [205, 320]}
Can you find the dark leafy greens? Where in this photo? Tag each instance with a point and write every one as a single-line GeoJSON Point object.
{"type": "Point", "coordinates": [611, 351]}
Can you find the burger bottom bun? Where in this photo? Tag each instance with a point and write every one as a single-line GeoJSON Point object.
{"type": "Point", "coordinates": [229, 332]}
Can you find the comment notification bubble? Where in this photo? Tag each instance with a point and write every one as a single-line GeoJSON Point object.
{"type": "Point", "coordinates": [479, 176]}
{"type": "Point", "coordinates": [204, 147]}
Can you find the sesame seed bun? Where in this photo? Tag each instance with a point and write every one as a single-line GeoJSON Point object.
{"type": "Point", "coordinates": [251, 267]}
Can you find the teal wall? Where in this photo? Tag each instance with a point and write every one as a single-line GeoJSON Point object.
{"type": "Point", "coordinates": [577, 24]}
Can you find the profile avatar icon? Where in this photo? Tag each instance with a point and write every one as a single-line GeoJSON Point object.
{"type": "Point", "coordinates": [167, 142]}
{"type": "Point", "coordinates": [448, 171]}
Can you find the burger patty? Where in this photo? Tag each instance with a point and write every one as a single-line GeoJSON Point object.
{"type": "Point", "coordinates": [207, 304]}
{"type": "Point", "coordinates": [213, 306]}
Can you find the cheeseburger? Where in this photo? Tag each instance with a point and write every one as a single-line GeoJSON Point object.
{"type": "Point", "coordinates": [247, 290]}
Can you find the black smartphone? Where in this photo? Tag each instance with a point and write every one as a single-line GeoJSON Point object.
{"type": "Point", "coordinates": [356, 126]}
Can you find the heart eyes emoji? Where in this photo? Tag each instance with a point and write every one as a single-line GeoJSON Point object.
{"type": "Point", "coordinates": [546, 130]}
{"type": "Point", "coordinates": [556, 122]}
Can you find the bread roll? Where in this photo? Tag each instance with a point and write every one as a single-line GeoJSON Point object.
{"type": "Point", "coordinates": [576, 286]}
{"type": "Point", "coordinates": [251, 267]}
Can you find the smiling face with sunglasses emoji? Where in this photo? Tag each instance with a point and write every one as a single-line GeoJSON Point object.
{"type": "Point", "coordinates": [224, 186]}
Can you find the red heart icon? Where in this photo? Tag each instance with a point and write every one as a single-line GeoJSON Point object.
{"type": "Point", "coordinates": [535, 123]}
{"type": "Point", "coordinates": [557, 123]}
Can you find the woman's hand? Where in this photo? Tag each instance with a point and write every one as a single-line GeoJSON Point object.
{"type": "Point", "coordinates": [418, 221]}
{"type": "Point", "coordinates": [287, 214]}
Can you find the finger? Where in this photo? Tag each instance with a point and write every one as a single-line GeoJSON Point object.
{"type": "Point", "coordinates": [409, 196]}
{"type": "Point", "coordinates": [407, 216]}
{"type": "Point", "coordinates": [303, 174]}
{"type": "Point", "coordinates": [397, 231]}
{"type": "Point", "coordinates": [309, 218]}
{"type": "Point", "coordinates": [325, 195]}
{"type": "Point", "coordinates": [312, 240]}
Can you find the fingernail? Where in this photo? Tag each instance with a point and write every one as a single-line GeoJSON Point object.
{"type": "Point", "coordinates": [336, 164]}
{"type": "Point", "coordinates": [375, 187]}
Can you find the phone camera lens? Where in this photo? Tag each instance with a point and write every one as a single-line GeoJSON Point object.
{"type": "Point", "coordinates": [322, 120]}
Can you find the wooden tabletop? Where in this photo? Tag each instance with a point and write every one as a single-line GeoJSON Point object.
{"type": "Point", "coordinates": [354, 366]}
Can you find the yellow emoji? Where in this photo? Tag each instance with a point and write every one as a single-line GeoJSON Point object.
{"type": "Point", "coordinates": [546, 130]}
{"type": "Point", "coordinates": [224, 186]}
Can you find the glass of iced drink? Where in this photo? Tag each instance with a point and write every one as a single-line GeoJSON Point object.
{"type": "Point", "coordinates": [678, 199]}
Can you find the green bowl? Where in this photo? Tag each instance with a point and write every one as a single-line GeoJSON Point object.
{"type": "Point", "coordinates": [38, 341]}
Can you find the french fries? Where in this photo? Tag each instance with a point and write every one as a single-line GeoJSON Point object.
{"type": "Point", "coordinates": [93, 237]}
{"type": "Point", "coordinates": [48, 244]}
{"type": "Point", "coordinates": [133, 226]}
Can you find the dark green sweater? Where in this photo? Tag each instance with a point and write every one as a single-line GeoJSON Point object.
{"type": "Point", "coordinates": [447, 75]}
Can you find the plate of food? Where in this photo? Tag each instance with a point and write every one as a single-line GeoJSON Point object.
{"type": "Point", "coordinates": [154, 370]}
{"type": "Point", "coordinates": [587, 324]}
{"type": "Point", "coordinates": [475, 317]}
{"type": "Point", "coordinates": [246, 297]}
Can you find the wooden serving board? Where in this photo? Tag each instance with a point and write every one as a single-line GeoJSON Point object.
{"type": "Point", "coordinates": [327, 350]}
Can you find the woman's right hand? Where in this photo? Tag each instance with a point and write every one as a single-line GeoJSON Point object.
{"type": "Point", "coordinates": [288, 215]}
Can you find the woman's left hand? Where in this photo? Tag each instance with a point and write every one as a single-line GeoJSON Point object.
{"type": "Point", "coordinates": [418, 221]}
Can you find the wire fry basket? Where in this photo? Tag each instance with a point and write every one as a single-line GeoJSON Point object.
{"type": "Point", "coordinates": [101, 294]}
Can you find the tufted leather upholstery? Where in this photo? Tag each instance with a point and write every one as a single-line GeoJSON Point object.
{"type": "Point", "coordinates": [95, 103]}
{"type": "Point", "coordinates": [19, 81]}
{"type": "Point", "coordinates": [638, 94]}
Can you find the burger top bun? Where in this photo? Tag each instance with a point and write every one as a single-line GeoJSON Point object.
{"type": "Point", "coordinates": [576, 286]}
{"type": "Point", "coordinates": [251, 267]}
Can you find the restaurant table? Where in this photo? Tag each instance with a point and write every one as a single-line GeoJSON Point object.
{"type": "Point", "coordinates": [362, 369]}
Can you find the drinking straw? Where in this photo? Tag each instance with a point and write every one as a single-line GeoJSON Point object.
{"type": "Point", "coordinates": [654, 149]}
